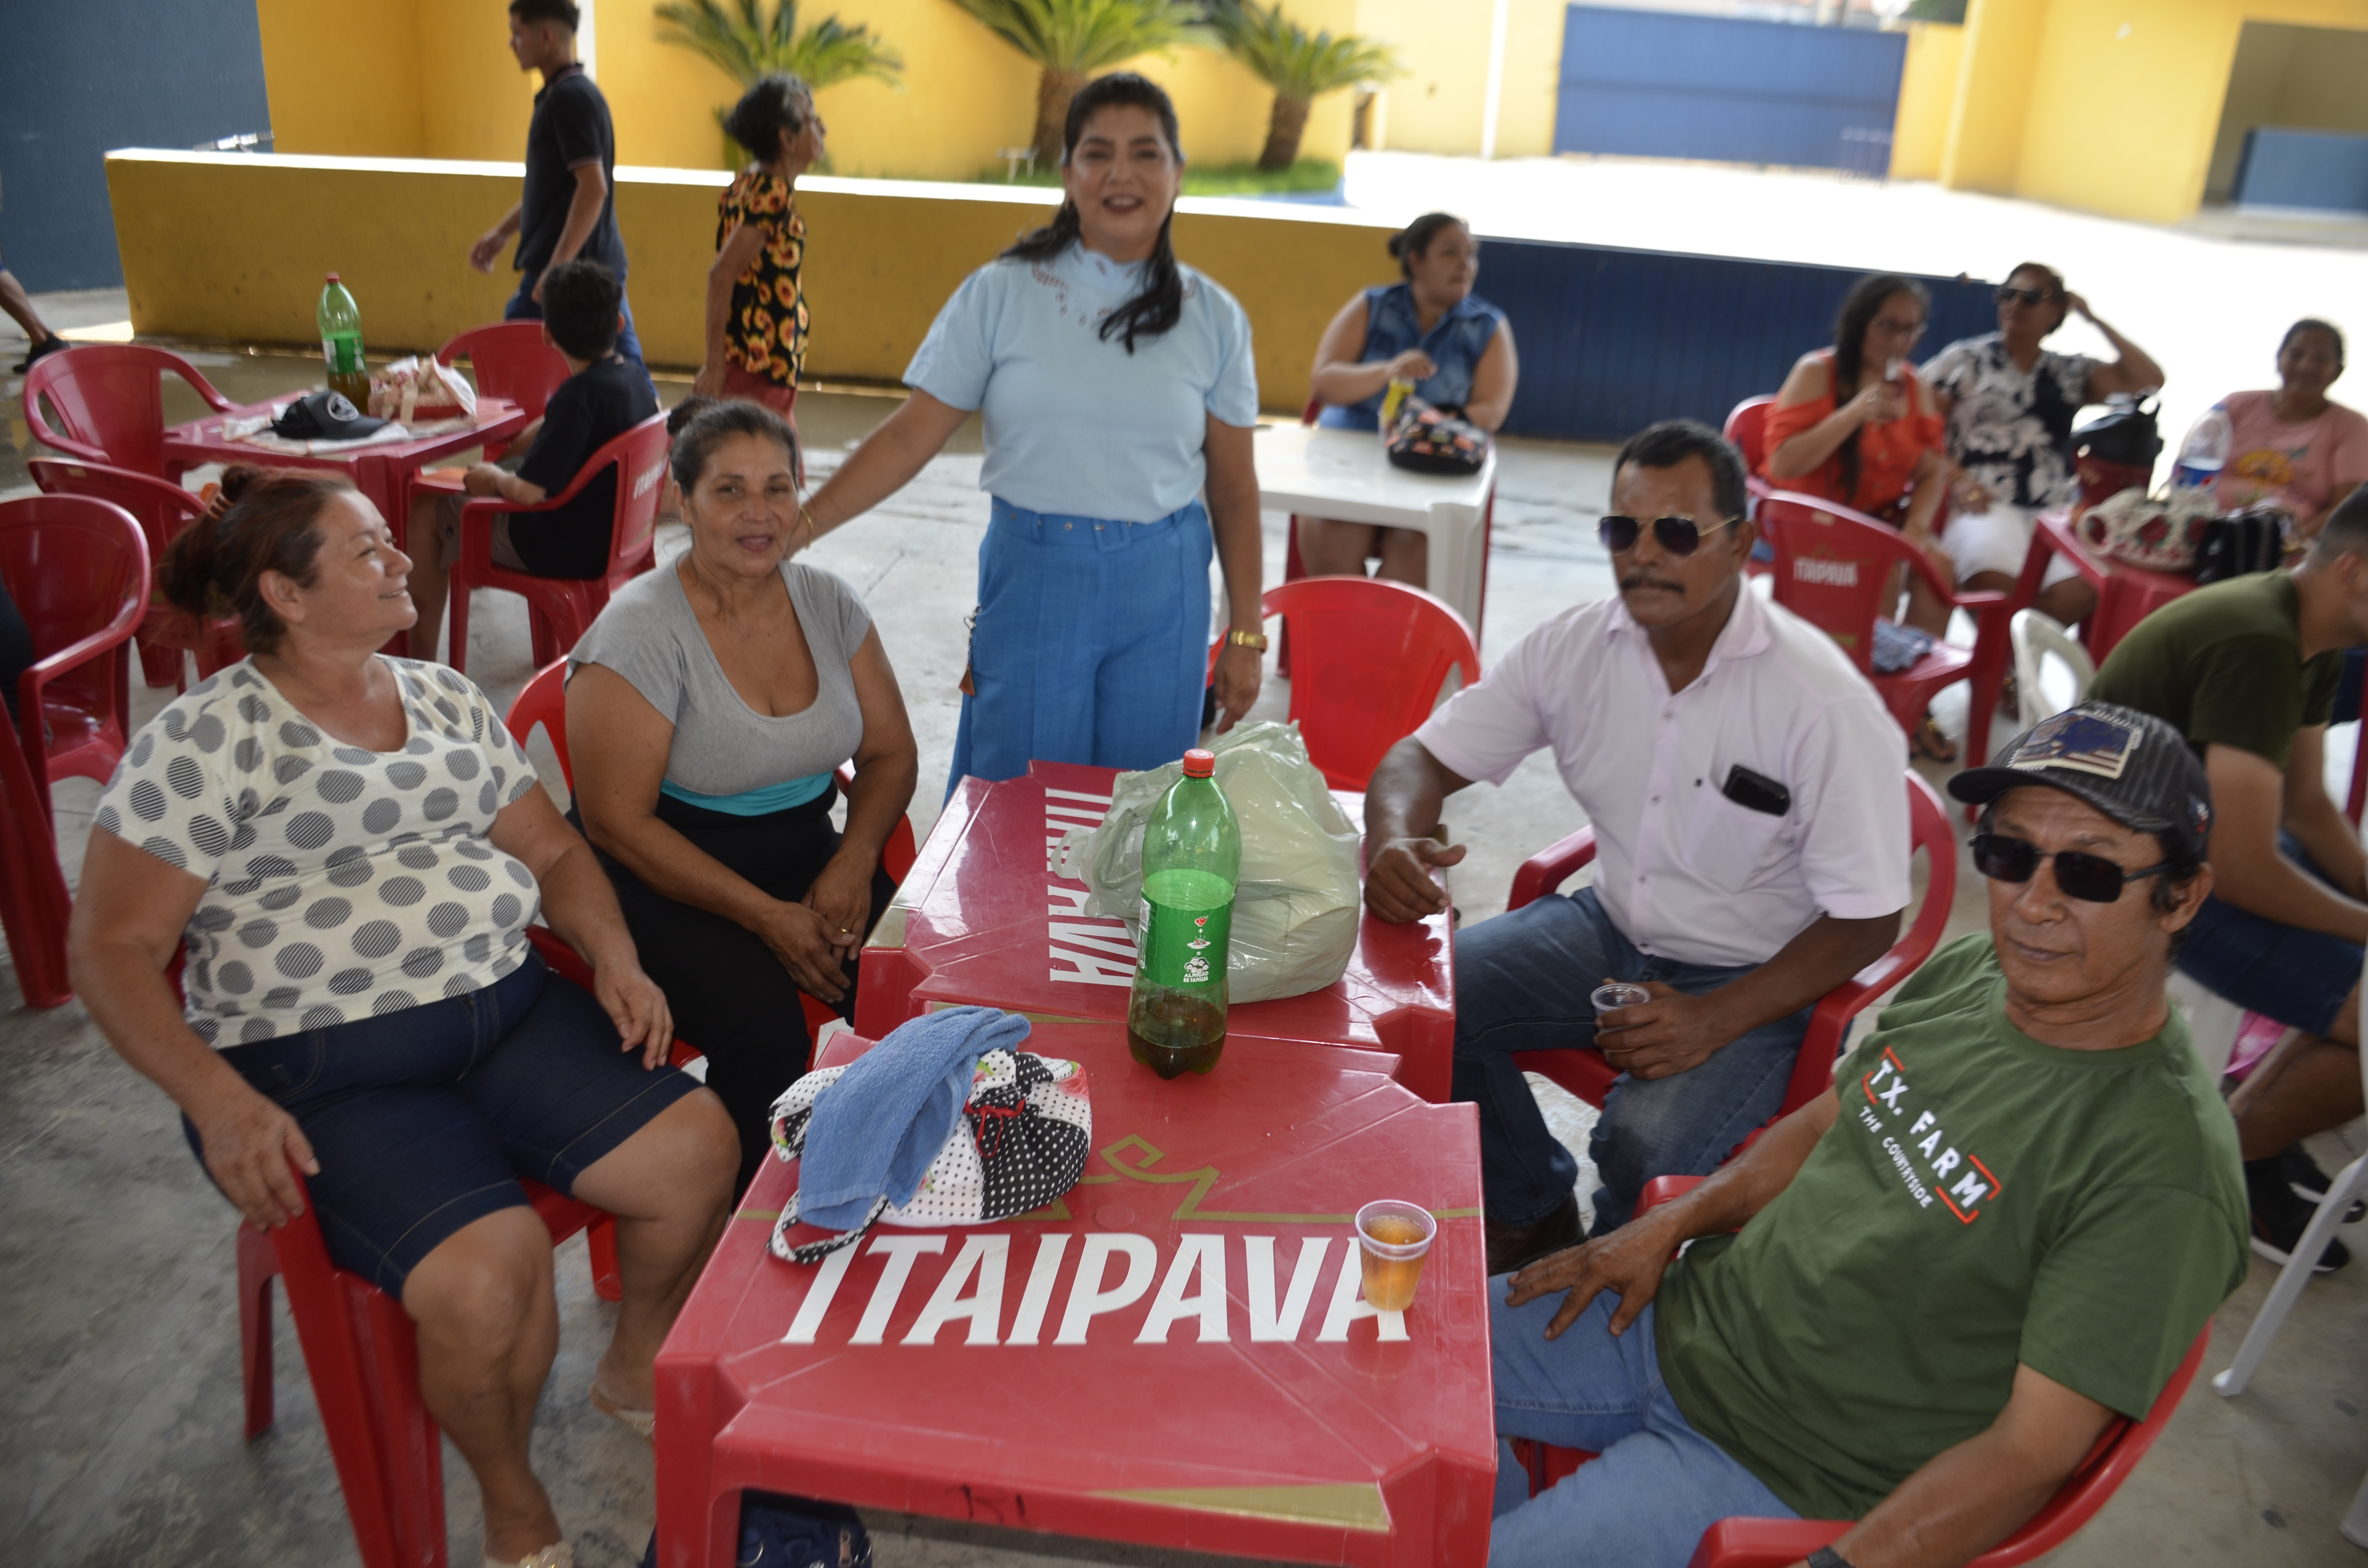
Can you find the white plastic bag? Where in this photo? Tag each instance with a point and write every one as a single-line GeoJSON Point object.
{"type": "Point", "coordinates": [1296, 907]}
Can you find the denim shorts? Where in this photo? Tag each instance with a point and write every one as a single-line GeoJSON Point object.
{"type": "Point", "coordinates": [422, 1120]}
{"type": "Point", "coordinates": [2298, 976]}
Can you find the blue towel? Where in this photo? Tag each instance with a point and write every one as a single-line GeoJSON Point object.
{"type": "Point", "coordinates": [877, 1129]}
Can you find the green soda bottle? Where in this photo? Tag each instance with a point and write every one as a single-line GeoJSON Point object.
{"type": "Point", "coordinates": [341, 343]}
{"type": "Point", "coordinates": [1191, 859]}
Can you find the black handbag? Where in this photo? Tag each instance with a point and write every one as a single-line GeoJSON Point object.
{"type": "Point", "coordinates": [1426, 439]}
{"type": "Point", "coordinates": [2250, 541]}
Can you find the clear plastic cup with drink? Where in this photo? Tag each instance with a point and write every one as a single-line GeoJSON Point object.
{"type": "Point", "coordinates": [1395, 1236]}
{"type": "Point", "coordinates": [1619, 994]}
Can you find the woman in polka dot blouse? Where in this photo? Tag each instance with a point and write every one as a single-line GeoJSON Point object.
{"type": "Point", "coordinates": [349, 848]}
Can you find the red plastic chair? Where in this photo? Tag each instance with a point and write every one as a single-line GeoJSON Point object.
{"type": "Point", "coordinates": [78, 571]}
{"type": "Point", "coordinates": [363, 1355]}
{"type": "Point", "coordinates": [1372, 657]}
{"type": "Point", "coordinates": [164, 510]}
{"type": "Point", "coordinates": [109, 402]}
{"type": "Point", "coordinates": [544, 701]}
{"type": "Point", "coordinates": [34, 902]}
{"type": "Point", "coordinates": [1832, 565]}
{"type": "Point", "coordinates": [511, 360]}
{"type": "Point", "coordinates": [560, 610]}
{"type": "Point", "coordinates": [1586, 1073]}
{"type": "Point", "coordinates": [1747, 431]}
{"type": "Point", "coordinates": [1778, 1543]}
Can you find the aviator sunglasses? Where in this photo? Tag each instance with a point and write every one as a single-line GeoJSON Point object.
{"type": "Point", "coordinates": [2006, 294]}
{"type": "Point", "coordinates": [2091, 879]}
{"type": "Point", "coordinates": [1678, 536]}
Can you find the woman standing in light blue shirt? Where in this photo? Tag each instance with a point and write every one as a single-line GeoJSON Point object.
{"type": "Point", "coordinates": [1117, 390]}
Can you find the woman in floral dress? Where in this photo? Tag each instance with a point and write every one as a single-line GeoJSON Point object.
{"type": "Point", "coordinates": [756, 307]}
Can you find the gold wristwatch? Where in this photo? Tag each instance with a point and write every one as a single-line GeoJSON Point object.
{"type": "Point", "coordinates": [1239, 639]}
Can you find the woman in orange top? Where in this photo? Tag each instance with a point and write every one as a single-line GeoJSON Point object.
{"type": "Point", "coordinates": [1853, 423]}
{"type": "Point", "coordinates": [755, 304]}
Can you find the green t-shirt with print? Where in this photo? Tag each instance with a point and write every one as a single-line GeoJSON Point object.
{"type": "Point", "coordinates": [2225, 664]}
{"type": "Point", "coordinates": [1982, 1199]}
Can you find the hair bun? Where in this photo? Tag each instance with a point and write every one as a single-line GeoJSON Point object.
{"type": "Point", "coordinates": [1397, 246]}
{"type": "Point", "coordinates": [240, 477]}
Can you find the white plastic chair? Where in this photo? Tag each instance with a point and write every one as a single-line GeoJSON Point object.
{"type": "Point", "coordinates": [2349, 1183]}
{"type": "Point", "coordinates": [2035, 637]}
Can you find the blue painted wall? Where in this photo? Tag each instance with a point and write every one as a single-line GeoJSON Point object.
{"type": "Point", "coordinates": [2323, 169]}
{"type": "Point", "coordinates": [1612, 340]}
{"type": "Point", "coordinates": [77, 79]}
{"type": "Point", "coordinates": [1668, 84]}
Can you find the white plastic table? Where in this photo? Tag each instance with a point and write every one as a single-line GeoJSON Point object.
{"type": "Point", "coordinates": [1342, 474]}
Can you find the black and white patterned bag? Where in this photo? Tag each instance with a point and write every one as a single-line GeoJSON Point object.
{"type": "Point", "coordinates": [1024, 1135]}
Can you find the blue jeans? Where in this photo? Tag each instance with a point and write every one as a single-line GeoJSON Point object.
{"type": "Point", "coordinates": [1521, 984]}
{"type": "Point", "coordinates": [524, 306]}
{"type": "Point", "coordinates": [1091, 643]}
{"type": "Point", "coordinates": [1658, 1483]}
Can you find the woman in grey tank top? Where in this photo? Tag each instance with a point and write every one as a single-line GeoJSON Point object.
{"type": "Point", "coordinates": [707, 708]}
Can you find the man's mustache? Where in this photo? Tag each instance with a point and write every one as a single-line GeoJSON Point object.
{"type": "Point", "coordinates": [1629, 584]}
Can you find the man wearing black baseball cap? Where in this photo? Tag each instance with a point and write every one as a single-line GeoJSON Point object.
{"type": "Point", "coordinates": [2005, 1224]}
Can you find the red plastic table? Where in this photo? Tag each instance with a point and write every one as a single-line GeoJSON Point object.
{"type": "Point", "coordinates": [981, 918]}
{"type": "Point", "coordinates": [1177, 1352]}
{"type": "Point", "coordinates": [2125, 595]}
{"type": "Point", "coordinates": [381, 470]}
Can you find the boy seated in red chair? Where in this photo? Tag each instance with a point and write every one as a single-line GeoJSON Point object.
{"type": "Point", "coordinates": [605, 395]}
{"type": "Point", "coordinates": [2006, 1224]}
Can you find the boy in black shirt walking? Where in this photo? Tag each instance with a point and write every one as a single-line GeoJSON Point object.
{"type": "Point", "coordinates": [569, 209]}
{"type": "Point", "coordinates": [604, 396]}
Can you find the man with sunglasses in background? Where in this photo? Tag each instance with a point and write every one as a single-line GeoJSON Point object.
{"type": "Point", "coordinates": [2004, 1226]}
{"type": "Point", "coordinates": [1751, 828]}
{"type": "Point", "coordinates": [2247, 669]}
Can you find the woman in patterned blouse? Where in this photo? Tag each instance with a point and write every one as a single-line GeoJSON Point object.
{"type": "Point", "coordinates": [755, 305]}
{"type": "Point", "coordinates": [348, 850]}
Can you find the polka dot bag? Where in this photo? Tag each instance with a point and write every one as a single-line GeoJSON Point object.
{"type": "Point", "coordinates": [1022, 1143]}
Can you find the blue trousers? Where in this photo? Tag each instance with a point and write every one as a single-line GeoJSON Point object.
{"type": "Point", "coordinates": [1658, 1483]}
{"type": "Point", "coordinates": [524, 306]}
{"type": "Point", "coordinates": [1521, 984]}
{"type": "Point", "coordinates": [1091, 643]}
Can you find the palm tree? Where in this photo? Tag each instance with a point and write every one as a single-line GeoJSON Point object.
{"type": "Point", "coordinates": [1299, 66]}
{"type": "Point", "coordinates": [1071, 39]}
{"type": "Point", "coordinates": [747, 46]}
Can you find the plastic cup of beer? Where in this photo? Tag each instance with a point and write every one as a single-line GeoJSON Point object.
{"type": "Point", "coordinates": [1619, 994]}
{"type": "Point", "coordinates": [1395, 1236]}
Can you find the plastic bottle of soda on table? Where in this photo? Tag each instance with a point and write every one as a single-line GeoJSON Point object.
{"type": "Point", "coordinates": [1191, 861]}
{"type": "Point", "coordinates": [2205, 451]}
{"type": "Point", "coordinates": [341, 343]}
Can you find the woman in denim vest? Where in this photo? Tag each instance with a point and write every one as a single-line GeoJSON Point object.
{"type": "Point", "coordinates": [1430, 329]}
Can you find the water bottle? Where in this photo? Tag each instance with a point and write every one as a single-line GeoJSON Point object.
{"type": "Point", "coordinates": [2205, 451]}
{"type": "Point", "coordinates": [1191, 860]}
{"type": "Point", "coordinates": [341, 343]}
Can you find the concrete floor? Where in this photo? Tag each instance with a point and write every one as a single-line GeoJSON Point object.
{"type": "Point", "coordinates": [118, 1370]}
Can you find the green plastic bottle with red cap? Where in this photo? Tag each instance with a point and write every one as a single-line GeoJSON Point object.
{"type": "Point", "coordinates": [1191, 863]}
{"type": "Point", "coordinates": [340, 321]}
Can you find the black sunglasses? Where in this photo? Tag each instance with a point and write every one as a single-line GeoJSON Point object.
{"type": "Point", "coordinates": [2008, 294]}
{"type": "Point", "coordinates": [2091, 879]}
{"type": "Point", "coordinates": [1678, 536]}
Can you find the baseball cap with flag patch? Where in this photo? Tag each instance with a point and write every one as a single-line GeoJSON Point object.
{"type": "Point", "coordinates": [2133, 767]}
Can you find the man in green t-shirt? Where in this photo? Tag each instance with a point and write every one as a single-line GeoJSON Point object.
{"type": "Point", "coordinates": [2246, 670]}
{"type": "Point", "coordinates": [2005, 1225]}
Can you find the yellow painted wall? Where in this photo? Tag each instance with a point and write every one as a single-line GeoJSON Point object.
{"type": "Point", "coordinates": [343, 79]}
{"type": "Point", "coordinates": [441, 84]}
{"type": "Point", "coordinates": [2115, 106]}
{"type": "Point", "coordinates": [1436, 106]}
{"type": "Point", "coordinates": [220, 247]}
{"type": "Point", "coordinates": [1928, 92]}
{"type": "Point", "coordinates": [2305, 77]}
